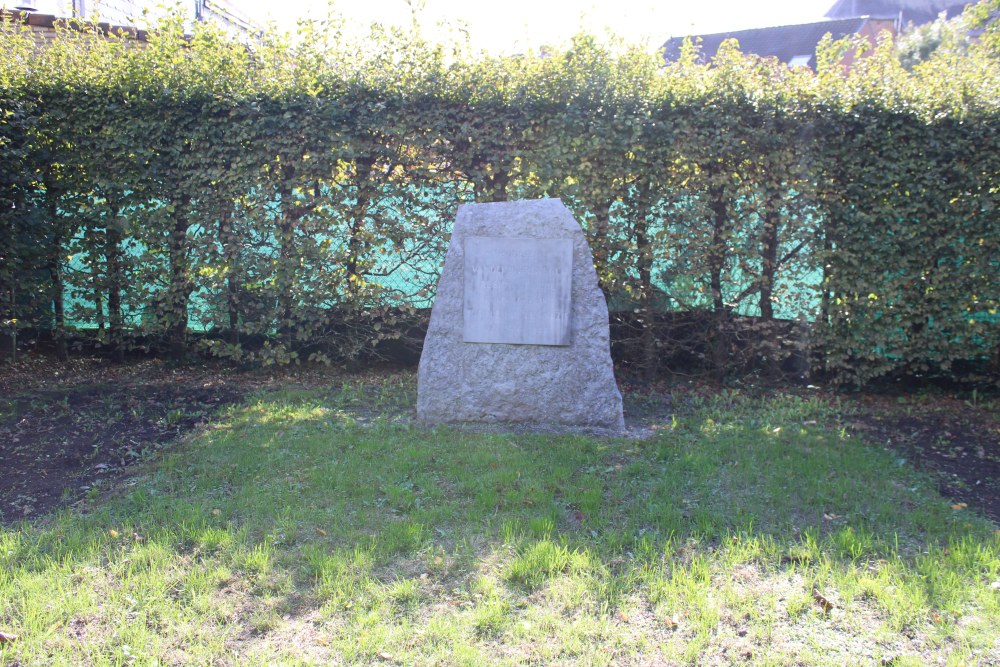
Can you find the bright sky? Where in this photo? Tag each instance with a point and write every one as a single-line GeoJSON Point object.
{"type": "Point", "coordinates": [511, 26]}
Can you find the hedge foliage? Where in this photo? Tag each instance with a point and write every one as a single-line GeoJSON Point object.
{"type": "Point", "coordinates": [295, 199]}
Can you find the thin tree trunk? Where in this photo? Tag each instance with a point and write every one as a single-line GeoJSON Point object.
{"type": "Point", "coordinates": [644, 259]}
{"type": "Point", "coordinates": [769, 262]}
{"type": "Point", "coordinates": [98, 304]}
{"type": "Point", "coordinates": [355, 239]}
{"type": "Point", "coordinates": [286, 255]}
{"type": "Point", "coordinates": [717, 251]}
{"type": "Point", "coordinates": [498, 186]}
{"type": "Point", "coordinates": [8, 324]}
{"type": "Point", "coordinates": [817, 349]}
{"type": "Point", "coordinates": [113, 255]}
{"type": "Point", "coordinates": [716, 263]}
{"type": "Point", "coordinates": [492, 187]}
{"type": "Point", "coordinates": [230, 255]}
{"type": "Point", "coordinates": [58, 304]}
{"type": "Point", "coordinates": [599, 239]}
{"type": "Point", "coordinates": [769, 268]}
{"type": "Point", "coordinates": [55, 278]}
{"type": "Point", "coordinates": [179, 290]}
{"type": "Point", "coordinates": [8, 341]}
{"type": "Point", "coordinates": [9, 258]}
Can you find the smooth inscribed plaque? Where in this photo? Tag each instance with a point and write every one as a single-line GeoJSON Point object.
{"type": "Point", "coordinates": [517, 290]}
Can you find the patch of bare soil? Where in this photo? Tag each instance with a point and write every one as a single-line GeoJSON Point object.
{"type": "Point", "coordinates": [956, 441]}
{"type": "Point", "coordinates": [71, 429]}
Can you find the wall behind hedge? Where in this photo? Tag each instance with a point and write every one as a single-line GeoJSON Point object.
{"type": "Point", "coordinates": [295, 200]}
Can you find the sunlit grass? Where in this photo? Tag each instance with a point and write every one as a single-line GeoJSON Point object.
{"type": "Point", "coordinates": [311, 527]}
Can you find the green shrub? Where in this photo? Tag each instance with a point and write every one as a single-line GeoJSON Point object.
{"type": "Point", "coordinates": [293, 201]}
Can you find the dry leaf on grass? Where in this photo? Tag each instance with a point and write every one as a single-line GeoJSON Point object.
{"type": "Point", "coordinates": [6, 637]}
{"type": "Point", "coordinates": [822, 601]}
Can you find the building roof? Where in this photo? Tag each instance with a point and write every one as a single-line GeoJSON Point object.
{"type": "Point", "coordinates": [794, 44]}
{"type": "Point", "coordinates": [917, 12]}
{"type": "Point", "coordinates": [230, 16]}
{"type": "Point", "coordinates": [138, 14]}
{"type": "Point", "coordinates": [43, 26]}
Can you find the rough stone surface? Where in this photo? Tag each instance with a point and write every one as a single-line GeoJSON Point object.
{"type": "Point", "coordinates": [570, 385]}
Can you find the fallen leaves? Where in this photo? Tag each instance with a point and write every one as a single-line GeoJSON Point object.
{"type": "Point", "coordinates": [959, 506]}
{"type": "Point", "coordinates": [6, 637]}
{"type": "Point", "coordinates": [824, 604]}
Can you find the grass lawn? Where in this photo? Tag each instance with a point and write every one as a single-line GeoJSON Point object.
{"type": "Point", "coordinates": [322, 527]}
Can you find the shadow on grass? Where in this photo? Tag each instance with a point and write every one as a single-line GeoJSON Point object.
{"type": "Point", "coordinates": [315, 526]}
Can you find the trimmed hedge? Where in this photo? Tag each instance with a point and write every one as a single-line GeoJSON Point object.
{"type": "Point", "coordinates": [295, 200]}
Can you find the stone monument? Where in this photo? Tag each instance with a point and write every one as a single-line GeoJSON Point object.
{"type": "Point", "coordinates": [519, 327]}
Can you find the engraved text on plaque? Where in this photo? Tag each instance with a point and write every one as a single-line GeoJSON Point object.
{"type": "Point", "coordinates": [517, 290]}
